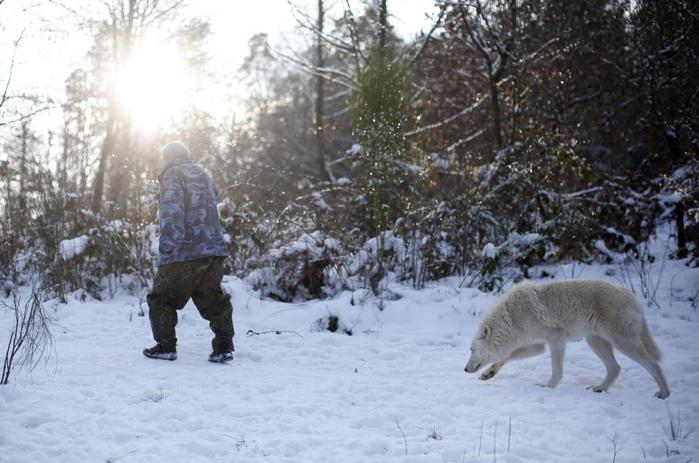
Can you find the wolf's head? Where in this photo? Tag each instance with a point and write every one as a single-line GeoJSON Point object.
{"type": "Point", "coordinates": [503, 329]}
{"type": "Point", "coordinates": [480, 350]}
{"type": "Point", "coordinates": [494, 340]}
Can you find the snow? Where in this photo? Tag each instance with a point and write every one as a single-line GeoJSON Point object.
{"type": "Point", "coordinates": [307, 245]}
{"type": "Point", "coordinates": [670, 198]}
{"type": "Point", "coordinates": [439, 162]}
{"type": "Point", "coordinates": [355, 150]}
{"type": "Point", "coordinates": [602, 247]}
{"type": "Point", "coordinates": [526, 239]}
{"type": "Point", "coordinates": [73, 247]}
{"type": "Point", "coordinates": [626, 238]}
{"type": "Point", "coordinates": [319, 201]}
{"type": "Point", "coordinates": [309, 396]}
{"type": "Point", "coordinates": [490, 251]}
{"type": "Point", "coordinates": [115, 226]}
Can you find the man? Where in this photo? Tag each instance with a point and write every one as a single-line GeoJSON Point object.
{"type": "Point", "coordinates": [191, 255]}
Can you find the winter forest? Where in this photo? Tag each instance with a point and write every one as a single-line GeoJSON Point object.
{"type": "Point", "coordinates": [382, 181]}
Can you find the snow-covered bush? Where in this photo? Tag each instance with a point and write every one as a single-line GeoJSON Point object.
{"type": "Point", "coordinates": [377, 258]}
{"type": "Point", "coordinates": [435, 240]}
{"type": "Point", "coordinates": [105, 258]}
{"type": "Point", "coordinates": [307, 267]}
{"type": "Point", "coordinates": [248, 233]}
{"type": "Point", "coordinates": [678, 201]}
{"type": "Point", "coordinates": [10, 246]}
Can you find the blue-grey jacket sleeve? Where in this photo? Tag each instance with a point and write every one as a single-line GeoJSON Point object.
{"type": "Point", "coordinates": [171, 213]}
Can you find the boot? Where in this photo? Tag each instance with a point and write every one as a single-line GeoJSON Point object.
{"type": "Point", "coordinates": [221, 354]}
{"type": "Point", "coordinates": [160, 352]}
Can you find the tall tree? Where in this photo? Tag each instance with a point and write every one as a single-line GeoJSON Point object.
{"type": "Point", "coordinates": [320, 94]}
{"type": "Point", "coordinates": [489, 29]}
{"type": "Point", "coordinates": [127, 23]}
{"type": "Point", "coordinates": [382, 23]}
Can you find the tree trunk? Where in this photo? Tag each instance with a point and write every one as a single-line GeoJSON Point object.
{"type": "Point", "coordinates": [23, 166]}
{"type": "Point", "coordinates": [119, 187]}
{"type": "Point", "coordinates": [105, 151]}
{"type": "Point", "coordinates": [116, 143]}
{"type": "Point", "coordinates": [497, 124]}
{"type": "Point", "coordinates": [63, 167]}
{"type": "Point", "coordinates": [320, 95]}
{"type": "Point", "coordinates": [383, 23]}
{"type": "Point", "coordinates": [681, 235]}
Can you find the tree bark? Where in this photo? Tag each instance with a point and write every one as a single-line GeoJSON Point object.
{"type": "Point", "coordinates": [23, 166]}
{"type": "Point", "coordinates": [119, 186]}
{"type": "Point", "coordinates": [681, 235]}
{"type": "Point", "coordinates": [105, 151]}
{"type": "Point", "coordinates": [383, 23]}
{"type": "Point", "coordinates": [320, 96]}
{"type": "Point", "coordinates": [497, 123]}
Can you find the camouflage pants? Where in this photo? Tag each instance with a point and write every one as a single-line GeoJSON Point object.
{"type": "Point", "coordinates": [199, 280]}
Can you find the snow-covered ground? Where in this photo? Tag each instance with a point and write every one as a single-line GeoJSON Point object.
{"type": "Point", "coordinates": [393, 391]}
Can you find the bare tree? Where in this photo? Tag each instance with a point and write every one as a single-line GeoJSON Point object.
{"type": "Point", "coordinates": [489, 32]}
{"type": "Point", "coordinates": [320, 94]}
{"type": "Point", "coordinates": [382, 23]}
{"type": "Point", "coordinates": [30, 339]}
{"type": "Point", "coordinates": [127, 23]}
{"type": "Point", "coordinates": [11, 114]}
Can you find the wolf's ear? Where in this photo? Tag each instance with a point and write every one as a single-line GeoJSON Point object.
{"type": "Point", "coordinates": [486, 332]}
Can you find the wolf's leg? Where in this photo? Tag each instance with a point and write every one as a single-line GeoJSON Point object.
{"type": "Point", "coordinates": [492, 370]}
{"type": "Point", "coordinates": [521, 353]}
{"type": "Point", "coordinates": [605, 352]}
{"type": "Point", "coordinates": [527, 351]}
{"type": "Point", "coordinates": [635, 351]}
{"type": "Point", "coordinates": [557, 346]}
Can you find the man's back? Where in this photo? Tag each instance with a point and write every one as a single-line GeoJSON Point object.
{"type": "Point", "coordinates": [189, 221]}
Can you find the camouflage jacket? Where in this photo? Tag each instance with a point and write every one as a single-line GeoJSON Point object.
{"type": "Point", "coordinates": [189, 222]}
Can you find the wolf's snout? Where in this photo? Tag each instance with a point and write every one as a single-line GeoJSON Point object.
{"type": "Point", "coordinates": [471, 369]}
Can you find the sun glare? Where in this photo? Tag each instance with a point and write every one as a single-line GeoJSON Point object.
{"type": "Point", "coordinates": [153, 87]}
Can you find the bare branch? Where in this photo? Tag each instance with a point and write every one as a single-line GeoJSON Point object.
{"type": "Point", "coordinates": [453, 117]}
{"type": "Point", "coordinates": [304, 21]}
{"type": "Point", "coordinates": [27, 116]}
{"type": "Point", "coordinates": [30, 340]}
{"type": "Point", "coordinates": [162, 14]}
{"type": "Point", "coordinates": [475, 38]}
{"type": "Point", "coordinates": [3, 99]}
{"type": "Point", "coordinates": [463, 141]}
{"type": "Point", "coordinates": [354, 34]}
{"type": "Point", "coordinates": [328, 74]}
{"type": "Point", "coordinates": [423, 46]}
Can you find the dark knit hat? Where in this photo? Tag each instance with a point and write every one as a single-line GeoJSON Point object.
{"type": "Point", "coordinates": [174, 151]}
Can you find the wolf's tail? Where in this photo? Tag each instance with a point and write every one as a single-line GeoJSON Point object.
{"type": "Point", "coordinates": [649, 344]}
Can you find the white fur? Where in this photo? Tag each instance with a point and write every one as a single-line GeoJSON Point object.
{"type": "Point", "coordinates": [530, 316]}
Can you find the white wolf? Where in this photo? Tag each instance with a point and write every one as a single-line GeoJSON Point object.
{"type": "Point", "coordinates": [530, 315]}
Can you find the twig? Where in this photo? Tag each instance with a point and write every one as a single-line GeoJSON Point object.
{"type": "Point", "coordinates": [423, 46]}
{"type": "Point", "coordinates": [405, 441]}
{"type": "Point", "coordinates": [495, 438]}
{"type": "Point", "coordinates": [480, 439]}
{"type": "Point", "coordinates": [509, 434]}
{"type": "Point", "coordinates": [674, 428]}
{"type": "Point", "coordinates": [259, 333]}
{"type": "Point", "coordinates": [614, 440]}
{"type": "Point", "coordinates": [113, 460]}
{"type": "Point", "coordinates": [28, 115]}
{"type": "Point", "coordinates": [30, 339]}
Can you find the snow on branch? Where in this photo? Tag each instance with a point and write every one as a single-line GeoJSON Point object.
{"type": "Point", "coordinates": [453, 117]}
